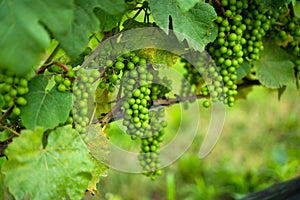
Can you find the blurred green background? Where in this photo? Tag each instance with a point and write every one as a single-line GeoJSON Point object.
{"type": "Point", "coordinates": [259, 146]}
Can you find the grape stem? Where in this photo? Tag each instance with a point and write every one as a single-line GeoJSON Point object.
{"type": "Point", "coordinates": [110, 116]}
{"type": "Point", "coordinates": [53, 54]}
{"type": "Point", "coordinates": [220, 6]}
{"type": "Point", "coordinates": [171, 101]}
{"type": "Point", "coordinates": [10, 130]}
{"type": "Point", "coordinates": [6, 113]}
{"type": "Point", "coordinates": [116, 113]}
{"type": "Point", "coordinates": [45, 66]}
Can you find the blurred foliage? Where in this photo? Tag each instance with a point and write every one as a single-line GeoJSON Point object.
{"type": "Point", "coordinates": [259, 147]}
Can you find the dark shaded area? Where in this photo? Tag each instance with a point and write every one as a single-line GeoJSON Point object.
{"type": "Point", "coordinates": [288, 190]}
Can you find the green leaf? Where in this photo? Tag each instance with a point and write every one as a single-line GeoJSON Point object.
{"type": "Point", "coordinates": [133, 24]}
{"type": "Point", "coordinates": [103, 105]}
{"type": "Point", "coordinates": [274, 69]}
{"type": "Point", "coordinates": [112, 7]}
{"type": "Point", "coordinates": [107, 21]}
{"type": "Point", "coordinates": [4, 194]}
{"type": "Point", "coordinates": [85, 22]}
{"type": "Point", "coordinates": [196, 25]}
{"type": "Point", "coordinates": [23, 30]}
{"type": "Point", "coordinates": [281, 90]}
{"type": "Point", "coordinates": [243, 70]}
{"type": "Point", "coordinates": [98, 146]}
{"type": "Point", "coordinates": [185, 5]}
{"type": "Point", "coordinates": [297, 9]}
{"type": "Point", "coordinates": [1, 101]}
{"type": "Point", "coordinates": [158, 56]}
{"type": "Point", "coordinates": [273, 3]}
{"type": "Point", "coordinates": [5, 135]}
{"type": "Point", "coordinates": [45, 108]}
{"type": "Point", "coordinates": [59, 170]}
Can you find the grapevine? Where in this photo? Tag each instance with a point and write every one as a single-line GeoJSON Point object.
{"type": "Point", "coordinates": [68, 67]}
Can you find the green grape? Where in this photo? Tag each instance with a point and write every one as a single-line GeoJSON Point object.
{"type": "Point", "coordinates": [13, 90]}
{"type": "Point", "coordinates": [61, 88]}
{"type": "Point", "coordinates": [139, 92]}
{"type": "Point", "coordinates": [16, 111]}
{"type": "Point", "coordinates": [82, 91]}
{"type": "Point", "coordinates": [21, 101]}
{"type": "Point", "coordinates": [119, 65]}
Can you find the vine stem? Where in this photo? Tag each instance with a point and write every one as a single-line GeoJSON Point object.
{"type": "Point", "coordinates": [53, 54]}
{"type": "Point", "coordinates": [6, 113]}
{"type": "Point", "coordinates": [220, 6]}
{"type": "Point", "coordinates": [45, 66]}
{"type": "Point", "coordinates": [10, 130]}
{"type": "Point", "coordinates": [116, 113]}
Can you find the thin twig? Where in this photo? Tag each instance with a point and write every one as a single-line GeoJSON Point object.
{"type": "Point", "coordinates": [116, 113]}
{"type": "Point", "coordinates": [171, 101]}
{"type": "Point", "coordinates": [6, 113]}
{"type": "Point", "coordinates": [53, 54]}
{"type": "Point", "coordinates": [10, 130]}
{"type": "Point", "coordinates": [45, 66]}
{"type": "Point", "coordinates": [220, 6]}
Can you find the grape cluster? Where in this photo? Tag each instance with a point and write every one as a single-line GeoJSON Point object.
{"type": "Point", "coordinates": [140, 86]}
{"type": "Point", "coordinates": [227, 50]}
{"type": "Point", "coordinates": [150, 146]}
{"type": "Point", "coordinates": [287, 29]}
{"type": "Point", "coordinates": [139, 92]}
{"type": "Point", "coordinates": [13, 88]}
{"type": "Point", "coordinates": [137, 101]}
{"type": "Point", "coordinates": [81, 93]}
{"type": "Point", "coordinates": [258, 23]}
{"type": "Point", "coordinates": [202, 78]}
{"type": "Point", "coordinates": [115, 69]}
{"type": "Point", "coordinates": [242, 27]}
{"type": "Point", "coordinates": [64, 82]}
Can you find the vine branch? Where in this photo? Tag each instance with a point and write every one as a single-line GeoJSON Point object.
{"type": "Point", "coordinates": [10, 130]}
{"type": "Point", "coordinates": [45, 66]}
{"type": "Point", "coordinates": [116, 113]}
{"type": "Point", "coordinates": [6, 113]}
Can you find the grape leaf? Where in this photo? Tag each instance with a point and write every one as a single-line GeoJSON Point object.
{"type": "Point", "coordinates": [185, 5]}
{"type": "Point", "coordinates": [112, 7]}
{"type": "Point", "coordinates": [45, 108]}
{"type": "Point", "coordinates": [98, 147]}
{"type": "Point", "coordinates": [103, 105]}
{"type": "Point", "coordinates": [297, 9]}
{"type": "Point", "coordinates": [4, 194]}
{"type": "Point", "coordinates": [274, 69]}
{"type": "Point", "coordinates": [59, 170]}
{"type": "Point", "coordinates": [84, 22]}
{"type": "Point", "coordinates": [195, 25]}
{"type": "Point", "coordinates": [243, 70]}
{"type": "Point", "coordinates": [23, 30]}
{"type": "Point", "coordinates": [159, 56]}
{"type": "Point", "coordinates": [132, 24]}
{"type": "Point", "coordinates": [107, 21]}
{"type": "Point", "coordinates": [281, 90]}
{"type": "Point", "coordinates": [5, 135]}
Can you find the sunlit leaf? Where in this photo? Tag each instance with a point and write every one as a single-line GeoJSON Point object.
{"type": "Point", "coordinates": [61, 169]}
{"type": "Point", "coordinates": [44, 105]}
